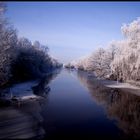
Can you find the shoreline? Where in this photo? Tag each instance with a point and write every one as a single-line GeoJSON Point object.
{"type": "Point", "coordinates": [129, 86]}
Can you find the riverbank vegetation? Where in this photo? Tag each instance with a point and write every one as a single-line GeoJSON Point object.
{"type": "Point", "coordinates": [120, 60]}
{"type": "Point", "coordinates": [20, 59]}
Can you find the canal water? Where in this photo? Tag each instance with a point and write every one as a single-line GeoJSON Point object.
{"type": "Point", "coordinates": [73, 105]}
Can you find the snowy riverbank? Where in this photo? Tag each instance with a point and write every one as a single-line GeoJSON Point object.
{"type": "Point", "coordinates": [130, 86]}
{"type": "Point", "coordinates": [115, 84]}
{"type": "Point", "coordinates": [124, 86]}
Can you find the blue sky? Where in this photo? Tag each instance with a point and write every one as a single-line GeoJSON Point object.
{"type": "Point", "coordinates": [72, 29]}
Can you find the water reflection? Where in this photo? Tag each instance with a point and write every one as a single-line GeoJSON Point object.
{"type": "Point", "coordinates": [119, 105]}
{"type": "Point", "coordinates": [25, 120]}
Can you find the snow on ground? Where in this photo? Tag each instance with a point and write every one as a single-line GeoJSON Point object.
{"type": "Point", "coordinates": [124, 86]}
{"type": "Point", "coordinates": [23, 90]}
{"type": "Point", "coordinates": [115, 84]}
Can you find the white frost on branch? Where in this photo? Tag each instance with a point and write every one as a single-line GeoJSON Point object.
{"type": "Point", "coordinates": [126, 64]}
{"type": "Point", "coordinates": [121, 59]}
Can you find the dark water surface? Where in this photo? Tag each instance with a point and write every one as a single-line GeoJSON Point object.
{"type": "Point", "coordinates": [73, 105]}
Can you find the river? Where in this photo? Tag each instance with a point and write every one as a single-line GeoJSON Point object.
{"type": "Point", "coordinates": [73, 105]}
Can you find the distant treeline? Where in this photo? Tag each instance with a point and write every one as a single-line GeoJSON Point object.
{"type": "Point", "coordinates": [119, 61]}
{"type": "Point", "coordinates": [20, 59]}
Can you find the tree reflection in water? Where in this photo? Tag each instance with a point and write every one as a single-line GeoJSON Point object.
{"type": "Point", "coordinates": [26, 121]}
{"type": "Point", "coordinates": [119, 105]}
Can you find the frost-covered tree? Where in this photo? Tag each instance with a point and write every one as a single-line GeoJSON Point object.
{"type": "Point", "coordinates": [39, 46]}
{"type": "Point", "coordinates": [20, 59]}
{"type": "Point", "coordinates": [32, 61]}
{"type": "Point", "coordinates": [24, 43]}
{"type": "Point", "coordinates": [8, 42]}
{"type": "Point", "coordinates": [98, 62]}
{"type": "Point", "coordinates": [121, 60]}
{"type": "Point", "coordinates": [126, 64]}
{"type": "Point", "coordinates": [81, 63]}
